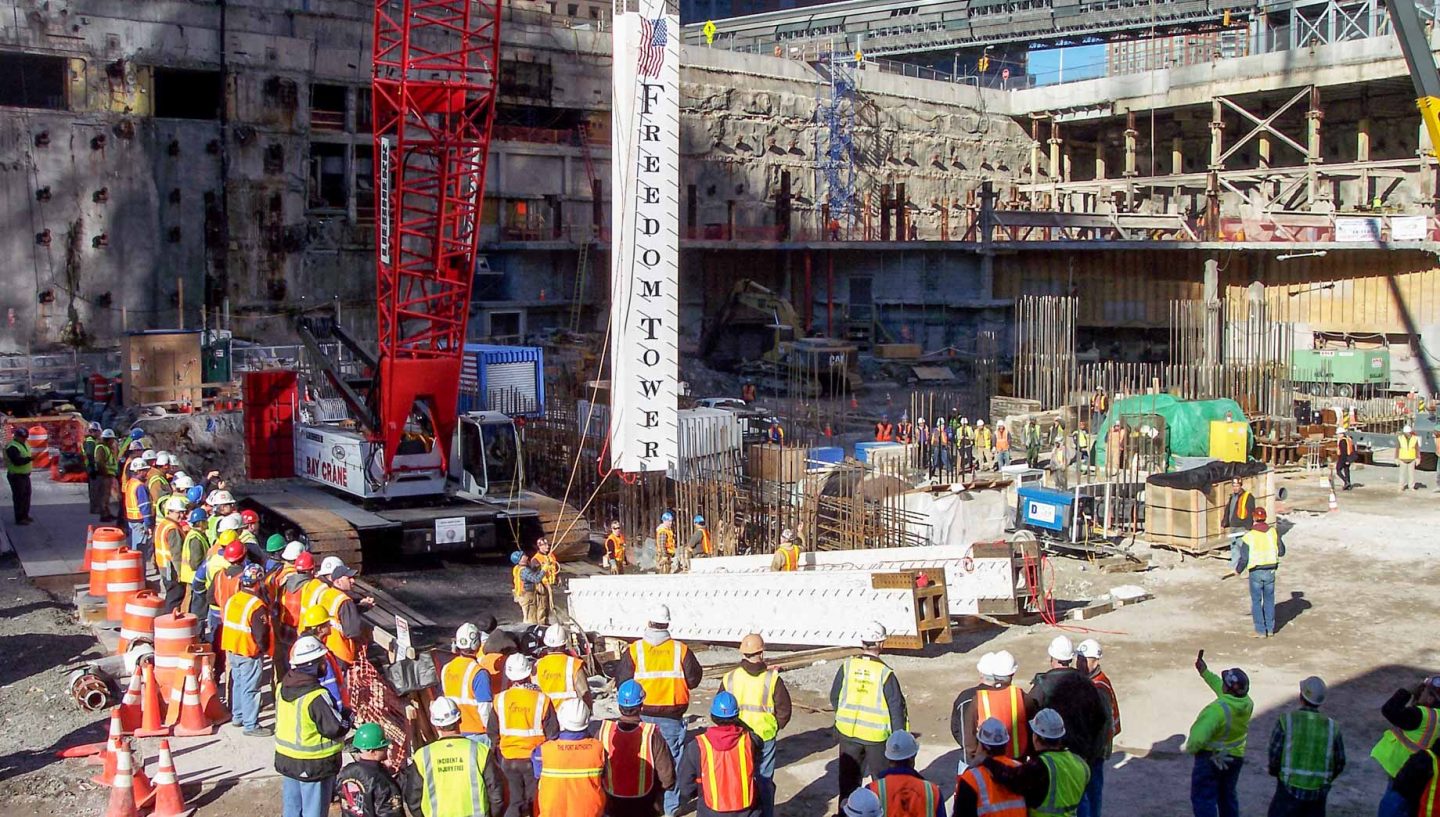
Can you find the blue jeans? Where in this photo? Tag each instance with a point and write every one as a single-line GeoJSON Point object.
{"type": "Point", "coordinates": [245, 690]}
{"type": "Point", "coordinates": [767, 778]}
{"type": "Point", "coordinates": [673, 731]}
{"type": "Point", "coordinates": [1003, 457]}
{"type": "Point", "coordinates": [300, 798]}
{"type": "Point", "coordinates": [1392, 804]}
{"type": "Point", "coordinates": [481, 738]}
{"type": "Point", "coordinates": [1090, 800]}
{"type": "Point", "coordinates": [1212, 790]}
{"type": "Point", "coordinates": [140, 541]}
{"type": "Point", "coordinates": [1262, 600]}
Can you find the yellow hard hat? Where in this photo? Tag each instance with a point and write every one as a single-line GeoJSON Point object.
{"type": "Point", "coordinates": [226, 537]}
{"type": "Point", "coordinates": [314, 616]}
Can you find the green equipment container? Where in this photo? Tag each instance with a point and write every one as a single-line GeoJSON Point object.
{"type": "Point", "coordinates": [1340, 371]}
{"type": "Point", "coordinates": [215, 352]}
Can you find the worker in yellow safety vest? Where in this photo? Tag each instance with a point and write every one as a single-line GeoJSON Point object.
{"type": "Point", "coordinates": [560, 675]}
{"type": "Point", "coordinates": [549, 568]}
{"type": "Point", "coordinates": [764, 707]}
{"type": "Point", "coordinates": [1217, 740]}
{"type": "Point", "coordinates": [169, 541]}
{"type": "Point", "coordinates": [1413, 719]}
{"type": "Point", "coordinates": [665, 543]}
{"type": "Point", "coordinates": [452, 776]}
{"type": "Point", "coordinates": [1257, 554]}
{"type": "Point", "coordinates": [309, 733]}
{"type": "Point", "coordinates": [869, 706]}
{"type": "Point", "coordinates": [1407, 454]}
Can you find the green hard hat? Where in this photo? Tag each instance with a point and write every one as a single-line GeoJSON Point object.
{"type": "Point", "coordinates": [369, 737]}
{"type": "Point", "coordinates": [275, 543]}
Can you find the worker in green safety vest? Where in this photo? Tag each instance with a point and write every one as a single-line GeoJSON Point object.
{"type": "Point", "coordinates": [869, 706]}
{"type": "Point", "coordinates": [17, 473]}
{"type": "Point", "coordinates": [1412, 715]}
{"type": "Point", "coordinates": [1217, 740]}
{"type": "Point", "coordinates": [1053, 780]}
{"type": "Point", "coordinates": [1307, 753]}
{"type": "Point", "coordinates": [309, 734]}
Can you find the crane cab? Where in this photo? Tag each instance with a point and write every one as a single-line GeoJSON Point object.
{"type": "Point", "coordinates": [486, 460]}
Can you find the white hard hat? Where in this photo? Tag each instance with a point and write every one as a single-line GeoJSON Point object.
{"type": "Point", "coordinates": [307, 648]}
{"type": "Point", "coordinates": [1313, 690]}
{"type": "Point", "coordinates": [573, 715]}
{"type": "Point", "coordinates": [659, 614]}
{"type": "Point", "coordinates": [230, 521]}
{"type": "Point", "coordinates": [518, 668]}
{"type": "Point", "coordinates": [107, 434]}
{"type": "Point", "coordinates": [182, 482]}
{"type": "Point", "coordinates": [1061, 649]}
{"type": "Point", "coordinates": [467, 637]}
{"type": "Point", "coordinates": [862, 803]}
{"type": "Point", "coordinates": [1048, 724]}
{"type": "Point", "coordinates": [151, 457]}
{"type": "Point", "coordinates": [221, 498]}
{"type": "Point", "coordinates": [901, 746]}
{"type": "Point", "coordinates": [328, 565]}
{"type": "Point", "coordinates": [1407, 429]}
{"type": "Point", "coordinates": [444, 712]}
{"type": "Point", "coordinates": [137, 464]}
{"type": "Point", "coordinates": [985, 666]}
{"type": "Point", "coordinates": [162, 458]}
{"type": "Point", "coordinates": [1090, 648]}
{"type": "Point", "coordinates": [872, 633]}
{"type": "Point", "coordinates": [787, 535]}
{"type": "Point", "coordinates": [993, 733]}
{"type": "Point", "coordinates": [1002, 664]}
{"type": "Point", "coordinates": [176, 504]}
{"type": "Point", "coordinates": [292, 551]}
{"type": "Point", "coordinates": [555, 635]}
{"type": "Point", "coordinates": [979, 422]}
{"type": "Point", "coordinates": [93, 427]}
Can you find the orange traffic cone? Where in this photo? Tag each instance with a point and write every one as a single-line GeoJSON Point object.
{"type": "Point", "coordinates": [1334, 503]}
{"type": "Point", "coordinates": [122, 789]}
{"type": "Point", "coordinates": [169, 800]}
{"type": "Point", "coordinates": [89, 540]}
{"type": "Point", "coordinates": [143, 788]}
{"type": "Point", "coordinates": [130, 710]}
{"type": "Point", "coordinates": [210, 702]}
{"type": "Point", "coordinates": [151, 720]}
{"type": "Point", "coordinates": [192, 718]}
{"type": "Point", "coordinates": [177, 693]}
{"type": "Point", "coordinates": [106, 759]}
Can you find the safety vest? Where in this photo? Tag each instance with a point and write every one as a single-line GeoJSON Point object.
{"type": "Point", "coordinates": [1107, 691]}
{"type": "Point", "coordinates": [457, 681]}
{"type": "Point", "coordinates": [1082, 439]}
{"type": "Point", "coordinates": [163, 529]}
{"type": "Point", "coordinates": [1100, 404]}
{"type": "Point", "coordinates": [792, 557]}
{"type": "Point", "coordinates": [706, 546]}
{"type": "Point", "coordinates": [132, 500]}
{"type": "Point", "coordinates": [1242, 505]}
{"type": "Point", "coordinates": [452, 778]}
{"type": "Point", "coordinates": [1346, 447]}
{"type": "Point", "coordinates": [212, 526]}
{"type": "Point", "coordinates": [727, 778]}
{"type": "Point", "coordinates": [221, 587]}
{"type": "Point", "coordinates": [555, 675]}
{"type": "Point", "coordinates": [1308, 756]}
{"type": "Point", "coordinates": [158, 485]}
{"type": "Point", "coordinates": [1430, 798]}
{"type": "Point", "coordinates": [756, 696]}
{"type": "Point", "coordinates": [1006, 705]}
{"type": "Point", "coordinates": [570, 779]}
{"type": "Point", "coordinates": [884, 432]}
{"type": "Point", "coordinates": [87, 451]}
{"type": "Point", "coordinates": [615, 546]}
{"type": "Point", "coordinates": [295, 733]}
{"type": "Point", "coordinates": [520, 713]}
{"type": "Point", "coordinates": [1409, 447]}
{"type": "Point", "coordinates": [275, 590]}
{"type": "Point", "coordinates": [549, 567]}
{"type": "Point", "coordinates": [1069, 775]}
{"type": "Point", "coordinates": [664, 540]}
{"type": "Point", "coordinates": [192, 544]}
{"type": "Point", "coordinates": [517, 581]}
{"type": "Point", "coordinates": [904, 796]}
{"type": "Point", "coordinates": [494, 665]}
{"type": "Point", "coordinates": [312, 593]}
{"type": "Point", "coordinates": [1002, 438]}
{"type": "Point", "coordinates": [104, 460]}
{"type": "Point", "coordinates": [991, 798]}
{"type": "Point", "coordinates": [1396, 746]}
{"type": "Point", "coordinates": [343, 648]}
{"type": "Point", "coordinates": [862, 713]}
{"type": "Point", "coordinates": [629, 766]}
{"type": "Point", "coordinates": [1264, 548]}
{"type": "Point", "coordinates": [292, 603]}
{"type": "Point", "coordinates": [1231, 739]}
{"type": "Point", "coordinates": [985, 439]}
{"type": "Point", "coordinates": [237, 620]}
{"type": "Point", "coordinates": [660, 671]}
{"type": "Point", "coordinates": [12, 468]}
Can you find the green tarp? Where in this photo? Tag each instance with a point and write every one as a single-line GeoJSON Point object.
{"type": "Point", "coordinates": [1188, 422]}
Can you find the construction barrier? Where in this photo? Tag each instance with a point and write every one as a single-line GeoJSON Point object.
{"type": "Point", "coordinates": [103, 545]}
{"type": "Point", "coordinates": [124, 577]}
{"type": "Point", "coordinates": [175, 634]}
{"type": "Point", "coordinates": [138, 621]}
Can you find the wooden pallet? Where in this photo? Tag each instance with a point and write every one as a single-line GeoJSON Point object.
{"type": "Point", "coordinates": [1214, 546]}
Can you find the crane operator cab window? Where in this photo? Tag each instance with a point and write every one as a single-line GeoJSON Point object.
{"type": "Point", "coordinates": [490, 456]}
{"type": "Point", "coordinates": [418, 437]}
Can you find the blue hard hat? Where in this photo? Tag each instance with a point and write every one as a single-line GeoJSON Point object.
{"type": "Point", "coordinates": [195, 494]}
{"type": "Point", "coordinates": [631, 694]}
{"type": "Point", "coordinates": [515, 558]}
{"type": "Point", "coordinates": [667, 517]}
{"type": "Point", "coordinates": [197, 516]}
{"type": "Point", "coordinates": [725, 706]}
{"type": "Point", "coordinates": [699, 520]}
{"type": "Point", "coordinates": [251, 575]}
{"type": "Point", "coordinates": [137, 433]}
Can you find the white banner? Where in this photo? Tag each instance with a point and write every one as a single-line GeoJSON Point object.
{"type": "Point", "coordinates": [645, 236]}
{"type": "Point", "coordinates": [1358, 229]}
{"type": "Point", "coordinates": [1408, 228]}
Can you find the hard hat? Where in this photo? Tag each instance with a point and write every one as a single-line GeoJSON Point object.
{"type": "Point", "coordinates": [1406, 429]}
{"type": "Point", "coordinates": [21, 432]}
{"type": "Point", "coordinates": [986, 664]}
{"type": "Point", "coordinates": [150, 457]}
{"type": "Point", "coordinates": [725, 706]}
{"type": "Point", "coordinates": [751, 644]}
{"type": "Point", "coordinates": [964, 421]}
{"type": "Point", "coordinates": [328, 565]}
{"type": "Point", "coordinates": [979, 422]}
{"type": "Point", "coordinates": [1061, 649]}
{"type": "Point", "coordinates": [516, 557]}
{"type": "Point", "coordinates": [222, 498]}
{"type": "Point", "coordinates": [542, 542]}
{"type": "Point", "coordinates": [518, 668]}
{"type": "Point", "coordinates": [444, 712]}
{"type": "Point", "coordinates": [249, 517]}
{"type": "Point", "coordinates": [107, 434]}
{"type": "Point", "coordinates": [1090, 648]}
{"type": "Point", "coordinates": [182, 482]}
{"type": "Point", "coordinates": [1003, 664]}
{"type": "Point", "coordinates": [93, 427]}
{"type": "Point", "coordinates": [137, 464]}
{"type": "Point", "coordinates": [901, 746]}
{"type": "Point", "coordinates": [136, 433]}
{"type": "Point", "coordinates": [194, 494]}
{"type": "Point", "coordinates": [176, 504]}
{"type": "Point", "coordinates": [862, 803]}
{"type": "Point", "coordinates": [162, 459]}
{"type": "Point", "coordinates": [699, 520]}
{"type": "Point", "coordinates": [554, 635]}
{"type": "Point", "coordinates": [872, 633]}
{"type": "Point", "coordinates": [1048, 724]}
{"type": "Point", "coordinates": [233, 552]}
{"type": "Point", "coordinates": [314, 616]}
{"type": "Point", "coordinates": [225, 537]}
{"type": "Point", "coordinates": [993, 733]}
{"type": "Point", "coordinates": [230, 521]}
{"type": "Point", "coordinates": [573, 715]}
{"type": "Point", "coordinates": [369, 737]}
{"type": "Point", "coordinates": [274, 543]}
{"type": "Point", "coordinates": [251, 575]}
{"type": "Point", "coordinates": [667, 517]}
{"type": "Point", "coordinates": [197, 516]}
{"type": "Point", "coordinates": [304, 562]}
{"type": "Point", "coordinates": [1237, 678]}
{"type": "Point", "coordinates": [1313, 690]}
{"type": "Point", "coordinates": [307, 648]}
{"type": "Point", "coordinates": [292, 551]}
{"type": "Point", "coordinates": [133, 446]}
{"type": "Point", "coordinates": [1260, 514]}
{"type": "Point", "coordinates": [467, 637]}
{"type": "Point", "coordinates": [615, 525]}
{"type": "Point", "coordinates": [630, 695]}
{"type": "Point", "coordinates": [659, 614]}
{"type": "Point", "coordinates": [787, 535]}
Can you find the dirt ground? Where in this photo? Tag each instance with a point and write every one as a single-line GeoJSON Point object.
{"type": "Point", "coordinates": [1350, 609]}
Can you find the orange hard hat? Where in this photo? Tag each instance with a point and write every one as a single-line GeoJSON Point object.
{"type": "Point", "coordinates": [1259, 514]}
{"type": "Point", "coordinates": [233, 552]}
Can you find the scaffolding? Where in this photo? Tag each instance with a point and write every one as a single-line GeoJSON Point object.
{"type": "Point", "coordinates": [835, 152]}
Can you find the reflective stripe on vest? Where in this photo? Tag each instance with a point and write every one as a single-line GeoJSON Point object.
{"type": "Point", "coordinates": [520, 713]}
{"type": "Point", "coordinates": [792, 556]}
{"type": "Point", "coordinates": [1107, 691]}
{"type": "Point", "coordinates": [237, 635]}
{"type": "Point", "coordinates": [570, 773]}
{"type": "Point", "coordinates": [660, 670]}
{"type": "Point", "coordinates": [898, 796]}
{"type": "Point", "coordinates": [1068, 778]}
{"type": "Point", "coordinates": [664, 539]}
{"type": "Point", "coordinates": [163, 529]}
{"type": "Point", "coordinates": [1242, 504]}
{"type": "Point", "coordinates": [1009, 710]}
{"type": "Point", "coordinates": [24, 449]}
{"type": "Point", "coordinates": [457, 680]}
{"type": "Point", "coordinates": [132, 500]}
{"type": "Point", "coordinates": [1264, 548]}
{"type": "Point", "coordinates": [194, 544]}
{"type": "Point", "coordinates": [863, 713]}
{"type": "Point", "coordinates": [517, 581]}
{"type": "Point", "coordinates": [336, 641]}
{"type": "Point", "coordinates": [452, 778]}
{"type": "Point", "coordinates": [1306, 761]}
{"type": "Point", "coordinates": [1409, 447]}
{"type": "Point", "coordinates": [991, 798]}
{"type": "Point", "coordinates": [727, 778]}
{"type": "Point", "coordinates": [756, 697]}
{"type": "Point", "coordinates": [629, 768]}
{"type": "Point", "coordinates": [1396, 745]}
{"type": "Point", "coordinates": [1431, 797]}
{"type": "Point", "coordinates": [295, 733]}
{"type": "Point", "coordinates": [1226, 742]}
{"type": "Point", "coordinates": [555, 675]}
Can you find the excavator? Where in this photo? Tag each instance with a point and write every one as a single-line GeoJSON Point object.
{"type": "Point", "coordinates": [759, 333]}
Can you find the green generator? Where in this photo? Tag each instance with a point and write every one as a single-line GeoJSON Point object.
{"type": "Point", "coordinates": [215, 352]}
{"type": "Point", "coordinates": [1340, 372]}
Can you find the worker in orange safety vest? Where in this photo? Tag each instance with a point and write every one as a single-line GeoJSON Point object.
{"type": "Point", "coordinates": [996, 696]}
{"type": "Point", "coordinates": [521, 719]}
{"type": "Point", "coordinates": [638, 764]}
{"type": "Point", "coordinates": [466, 682]}
{"type": "Point", "coordinates": [787, 556]}
{"type": "Point", "coordinates": [570, 767]}
{"type": "Point", "coordinates": [720, 768]}
{"type": "Point", "coordinates": [560, 675]}
{"type": "Point", "coordinates": [667, 671]}
{"type": "Point", "coordinates": [245, 638]}
{"type": "Point", "coordinates": [977, 792]}
{"type": "Point", "coordinates": [903, 792]}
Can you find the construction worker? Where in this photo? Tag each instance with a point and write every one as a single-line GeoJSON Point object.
{"type": "Point", "coordinates": [1099, 407]}
{"type": "Point", "coordinates": [291, 600]}
{"type": "Point", "coordinates": [215, 582]}
{"type": "Point", "coordinates": [525, 576]}
{"type": "Point", "coordinates": [1217, 740]}
{"type": "Point", "coordinates": [139, 512]}
{"type": "Point", "coordinates": [560, 675]}
{"type": "Point", "coordinates": [638, 764]}
{"type": "Point", "coordinates": [1407, 453]}
{"type": "Point", "coordinates": [884, 429]}
{"type": "Point", "coordinates": [904, 430]}
{"type": "Point", "coordinates": [996, 696]}
{"type": "Point", "coordinates": [984, 446]}
{"type": "Point", "coordinates": [665, 543]}
{"type": "Point", "coordinates": [787, 556]}
{"type": "Point", "coordinates": [977, 792]}
{"type": "Point", "coordinates": [764, 708]}
{"type": "Point", "coordinates": [667, 670]}
{"type": "Point", "coordinates": [1117, 441]}
{"type": "Point", "coordinates": [194, 550]}
{"type": "Point", "coordinates": [549, 576]}
{"type": "Point", "coordinates": [776, 433]}
{"type": "Point", "coordinates": [1060, 459]}
{"type": "Point", "coordinates": [222, 505]}
{"type": "Point", "coordinates": [286, 621]}
{"type": "Point", "coordinates": [309, 731]}
{"type": "Point", "coordinates": [521, 719]}
{"type": "Point", "coordinates": [1413, 716]}
{"type": "Point", "coordinates": [249, 535]}
{"type": "Point", "coordinates": [245, 639]}
{"type": "Point", "coordinates": [1002, 444]}
{"type": "Point", "coordinates": [902, 791]}
{"type": "Point", "coordinates": [465, 682]}
{"type": "Point", "coordinates": [92, 474]}
{"type": "Point", "coordinates": [1083, 442]}
{"type": "Point", "coordinates": [106, 471]}
{"type": "Point", "coordinates": [570, 767]}
{"type": "Point", "coordinates": [365, 787]}
{"type": "Point", "coordinates": [869, 706]}
{"type": "Point", "coordinates": [939, 448]}
{"type": "Point", "coordinates": [965, 435]}
{"type": "Point", "coordinates": [315, 623]}
{"type": "Point", "coordinates": [169, 542]}
{"type": "Point", "coordinates": [452, 776]}
{"type": "Point", "coordinates": [615, 550]}
{"type": "Point", "coordinates": [157, 479]}
{"type": "Point", "coordinates": [1258, 553]}
{"type": "Point", "coordinates": [496, 646]}
{"type": "Point", "coordinates": [1307, 753]}
{"type": "Point", "coordinates": [861, 803]}
{"type": "Point", "coordinates": [700, 543]}
{"type": "Point", "coordinates": [346, 627]}
{"type": "Point", "coordinates": [1088, 661]}
{"type": "Point", "coordinates": [1240, 508]}
{"type": "Point", "coordinates": [747, 391]}
{"type": "Point", "coordinates": [719, 766]}
{"type": "Point", "coordinates": [1345, 456]}
{"type": "Point", "coordinates": [1053, 779]}
{"type": "Point", "coordinates": [1030, 436]}
{"type": "Point", "coordinates": [1072, 694]}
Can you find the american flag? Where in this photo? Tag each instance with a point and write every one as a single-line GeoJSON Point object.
{"type": "Point", "coordinates": [652, 47]}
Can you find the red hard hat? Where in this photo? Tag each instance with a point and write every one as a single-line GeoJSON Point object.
{"type": "Point", "coordinates": [1260, 514]}
{"type": "Point", "coordinates": [250, 517]}
{"type": "Point", "coordinates": [304, 562]}
{"type": "Point", "coordinates": [233, 552]}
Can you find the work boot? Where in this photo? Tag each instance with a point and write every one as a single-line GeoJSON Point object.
{"type": "Point", "coordinates": [260, 732]}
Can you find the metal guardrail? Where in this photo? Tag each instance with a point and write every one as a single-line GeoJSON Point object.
{"type": "Point", "coordinates": [63, 372]}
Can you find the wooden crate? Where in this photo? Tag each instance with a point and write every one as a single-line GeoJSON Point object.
{"type": "Point", "coordinates": [1002, 407]}
{"type": "Point", "coordinates": [162, 367]}
{"type": "Point", "coordinates": [775, 463]}
{"type": "Point", "coordinates": [1199, 516]}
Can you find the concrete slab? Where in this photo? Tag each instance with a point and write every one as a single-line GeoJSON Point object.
{"type": "Point", "coordinates": [52, 550]}
{"type": "Point", "coordinates": [224, 757]}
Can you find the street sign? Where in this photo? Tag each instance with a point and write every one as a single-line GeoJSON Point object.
{"type": "Point", "coordinates": [709, 31]}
